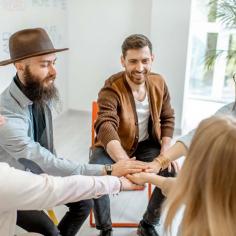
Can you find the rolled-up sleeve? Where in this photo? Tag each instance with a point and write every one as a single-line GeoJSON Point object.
{"type": "Point", "coordinates": [186, 139]}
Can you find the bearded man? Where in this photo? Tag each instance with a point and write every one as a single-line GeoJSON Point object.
{"type": "Point", "coordinates": [26, 139]}
{"type": "Point", "coordinates": [135, 119]}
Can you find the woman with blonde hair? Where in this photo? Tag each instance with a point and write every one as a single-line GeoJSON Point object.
{"type": "Point", "coordinates": [206, 185]}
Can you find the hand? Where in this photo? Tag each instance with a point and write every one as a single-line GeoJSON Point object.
{"type": "Point", "coordinates": [164, 183]}
{"type": "Point", "coordinates": [140, 178]}
{"type": "Point", "coordinates": [124, 167]}
{"type": "Point", "coordinates": [153, 167]}
{"type": "Point", "coordinates": [127, 185]}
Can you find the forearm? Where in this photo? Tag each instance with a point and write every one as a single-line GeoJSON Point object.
{"type": "Point", "coordinates": [164, 183]}
{"type": "Point", "coordinates": [76, 188]}
{"type": "Point", "coordinates": [38, 159]}
{"type": "Point", "coordinates": [24, 190]}
{"type": "Point", "coordinates": [163, 160]}
{"type": "Point", "coordinates": [156, 180]}
{"type": "Point", "coordinates": [165, 144]}
{"type": "Point", "coordinates": [116, 151]}
{"type": "Point", "coordinates": [176, 151]}
{"type": "Point", "coordinates": [46, 162]}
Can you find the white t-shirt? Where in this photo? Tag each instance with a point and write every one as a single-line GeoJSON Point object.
{"type": "Point", "coordinates": [143, 113]}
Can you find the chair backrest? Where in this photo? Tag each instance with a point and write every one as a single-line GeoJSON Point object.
{"type": "Point", "coordinates": [94, 117]}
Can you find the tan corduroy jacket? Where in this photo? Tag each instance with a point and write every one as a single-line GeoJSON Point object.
{"type": "Point", "coordinates": [117, 117]}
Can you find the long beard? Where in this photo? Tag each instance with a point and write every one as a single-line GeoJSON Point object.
{"type": "Point", "coordinates": [35, 89]}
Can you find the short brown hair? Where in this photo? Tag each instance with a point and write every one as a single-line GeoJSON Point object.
{"type": "Point", "coordinates": [135, 41]}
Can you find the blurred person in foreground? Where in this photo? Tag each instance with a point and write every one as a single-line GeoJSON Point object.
{"type": "Point", "coordinates": [205, 189]}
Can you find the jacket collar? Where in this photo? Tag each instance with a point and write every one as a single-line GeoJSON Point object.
{"type": "Point", "coordinates": [19, 95]}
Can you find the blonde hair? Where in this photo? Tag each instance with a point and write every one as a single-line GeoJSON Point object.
{"type": "Point", "coordinates": [206, 185]}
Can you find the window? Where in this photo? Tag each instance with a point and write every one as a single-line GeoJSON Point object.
{"type": "Point", "coordinates": [209, 39]}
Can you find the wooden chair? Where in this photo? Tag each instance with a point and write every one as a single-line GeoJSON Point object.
{"type": "Point", "coordinates": [93, 134]}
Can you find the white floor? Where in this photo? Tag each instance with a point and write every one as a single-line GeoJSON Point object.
{"type": "Point", "coordinates": [72, 140]}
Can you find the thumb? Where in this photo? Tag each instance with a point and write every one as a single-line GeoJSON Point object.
{"type": "Point", "coordinates": [133, 158]}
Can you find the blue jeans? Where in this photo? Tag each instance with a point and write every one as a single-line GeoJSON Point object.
{"type": "Point", "coordinates": [146, 151]}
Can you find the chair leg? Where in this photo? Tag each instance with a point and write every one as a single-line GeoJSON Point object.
{"type": "Point", "coordinates": [53, 216]}
{"type": "Point", "coordinates": [149, 191]}
{"type": "Point", "coordinates": [121, 224]}
{"type": "Point", "coordinates": [114, 225]}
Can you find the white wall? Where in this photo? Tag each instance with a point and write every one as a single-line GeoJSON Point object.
{"type": "Point", "coordinates": [169, 34]}
{"type": "Point", "coordinates": [97, 30]}
{"type": "Point", "coordinates": [51, 15]}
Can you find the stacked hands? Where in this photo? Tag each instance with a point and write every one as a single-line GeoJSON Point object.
{"type": "Point", "coordinates": [135, 174]}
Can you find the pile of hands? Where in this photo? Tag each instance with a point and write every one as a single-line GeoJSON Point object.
{"type": "Point", "coordinates": [135, 174]}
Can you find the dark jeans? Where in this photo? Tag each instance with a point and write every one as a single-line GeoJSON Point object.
{"type": "Point", "coordinates": [39, 222]}
{"type": "Point", "coordinates": [146, 151]}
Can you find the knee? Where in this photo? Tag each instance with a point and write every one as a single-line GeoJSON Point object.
{"type": "Point", "coordinates": [51, 230]}
{"type": "Point", "coordinates": [87, 204]}
{"type": "Point", "coordinates": [82, 206]}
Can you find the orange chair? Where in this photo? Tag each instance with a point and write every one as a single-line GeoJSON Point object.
{"type": "Point", "coordinates": [120, 224]}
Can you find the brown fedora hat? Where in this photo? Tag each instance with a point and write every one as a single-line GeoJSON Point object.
{"type": "Point", "coordinates": [29, 43]}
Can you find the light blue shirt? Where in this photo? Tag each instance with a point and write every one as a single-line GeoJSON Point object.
{"type": "Point", "coordinates": [225, 110]}
{"type": "Point", "coordinates": [17, 144]}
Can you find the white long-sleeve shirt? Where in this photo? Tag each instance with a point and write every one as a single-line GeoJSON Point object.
{"type": "Point", "coordinates": [20, 190]}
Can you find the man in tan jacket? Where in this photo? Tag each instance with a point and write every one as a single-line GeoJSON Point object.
{"type": "Point", "coordinates": [135, 119]}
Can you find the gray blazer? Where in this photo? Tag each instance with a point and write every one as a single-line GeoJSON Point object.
{"type": "Point", "coordinates": [17, 145]}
